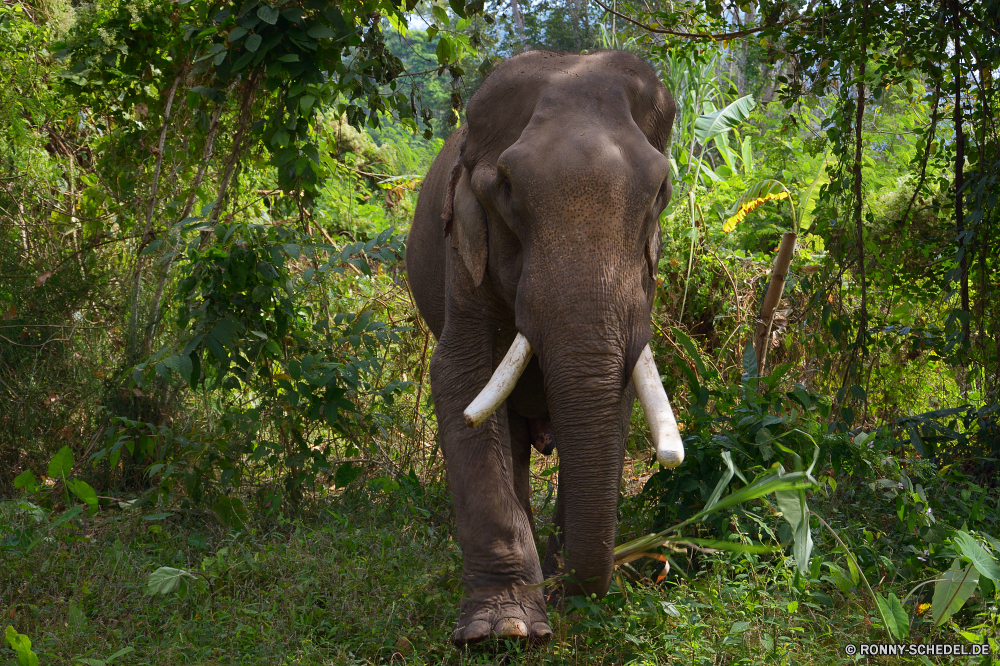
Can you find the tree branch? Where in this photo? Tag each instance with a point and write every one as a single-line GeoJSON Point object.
{"type": "Point", "coordinates": [717, 37]}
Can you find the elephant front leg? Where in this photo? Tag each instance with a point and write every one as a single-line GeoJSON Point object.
{"type": "Point", "coordinates": [501, 572]}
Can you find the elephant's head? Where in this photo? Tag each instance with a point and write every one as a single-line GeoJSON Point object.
{"type": "Point", "coordinates": [556, 201]}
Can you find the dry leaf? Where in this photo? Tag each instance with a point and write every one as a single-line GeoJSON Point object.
{"type": "Point", "coordinates": [10, 314]}
{"type": "Point", "coordinates": [43, 278]}
{"type": "Point", "coordinates": [404, 646]}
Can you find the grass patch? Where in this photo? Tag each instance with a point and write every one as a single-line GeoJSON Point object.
{"type": "Point", "coordinates": [371, 577]}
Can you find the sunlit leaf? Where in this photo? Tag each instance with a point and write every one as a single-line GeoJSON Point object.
{"type": "Point", "coordinates": [723, 120]}
{"type": "Point", "coordinates": [167, 580]}
{"type": "Point", "coordinates": [956, 585]}
{"type": "Point", "coordinates": [61, 464]}
{"type": "Point", "coordinates": [970, 548]}
{"type": "Point", "coordinates": [895, 616]}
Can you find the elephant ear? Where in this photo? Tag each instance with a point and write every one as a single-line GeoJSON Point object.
{"type": "Point", "coordinates": [465, 221]}
{"type": "Point", "coordinates": [653, 248]}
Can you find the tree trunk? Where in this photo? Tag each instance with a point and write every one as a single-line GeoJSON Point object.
{"type": "Point", "coordinates": [959, 177]}
{"type": "Point", "coordinates": [518, 24]}
{"type": "Point", "coordinates": [772, 297]}
{"type": "Point", "coordinates": [858, 199]}
{"type": "Point", "coordinates": [574, 10]}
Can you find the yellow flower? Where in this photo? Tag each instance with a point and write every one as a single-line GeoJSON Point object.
{"type": "Point", "coordinates": [922, 608]}
{"type": "Point", "coordinates": [749, 207]}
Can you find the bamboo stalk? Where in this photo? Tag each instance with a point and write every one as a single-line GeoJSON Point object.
{"type": "Point", "coordinates": [772, 297]}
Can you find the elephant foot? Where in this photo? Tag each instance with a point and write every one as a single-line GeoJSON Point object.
{"type": "Point", "coordinates": [512, 612]}
{"type": "Point", "coordinates": [541, 435]}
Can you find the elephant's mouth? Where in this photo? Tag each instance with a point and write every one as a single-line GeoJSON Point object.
{"type": "Point", "coordinates": [649, 389]}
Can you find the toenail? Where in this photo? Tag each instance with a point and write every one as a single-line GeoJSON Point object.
{"type": "Point", "coordinates": [509, 626]}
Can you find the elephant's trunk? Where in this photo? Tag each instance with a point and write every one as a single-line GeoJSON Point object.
{"type": "Point", "coordinates": [590, 420]}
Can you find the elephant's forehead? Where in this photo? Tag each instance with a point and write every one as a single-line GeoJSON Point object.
{"type": "Point", "coordinates": [592, 163]}
{"type": "Point", "coordinates": [608, 91]}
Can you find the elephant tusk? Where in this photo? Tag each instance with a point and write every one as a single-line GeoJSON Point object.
{"type": "Point", "coordinates": [501, 383]}
{"type": "Point", "coordinates": [652, 397]}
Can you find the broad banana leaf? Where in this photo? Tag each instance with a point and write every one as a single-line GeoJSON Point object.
{"type": "Point", "coordinates": [810, 195]}
{"type": "Point", "coordinates": [712, 124]}
{"type": "Point", "coordinates": [727, 154]}
{"type": "Point", "coordinates": [747, 154]}
{"type": "Point", "coordinates": [706, 171]}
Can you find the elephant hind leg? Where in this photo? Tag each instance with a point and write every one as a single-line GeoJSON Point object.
{"type": "Point", "coordinates": [543, 438]}
{"type": "Point", "coordinates": [520, 461]}
{"type": "Point", "coordinates": [503, 612]}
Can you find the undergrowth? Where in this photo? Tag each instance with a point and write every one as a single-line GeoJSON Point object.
{"type": "Point", "coordinates": [370, 576]}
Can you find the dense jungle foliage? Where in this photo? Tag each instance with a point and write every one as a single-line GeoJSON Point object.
{"type": "Point", "coordinates": [217, 439]}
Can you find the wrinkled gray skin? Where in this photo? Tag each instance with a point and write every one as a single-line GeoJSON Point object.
{"type": "Point", "coordinates": [540, 216]}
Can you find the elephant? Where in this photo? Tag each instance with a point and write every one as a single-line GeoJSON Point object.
{"type": "Point", "coordinates": [532, 257]}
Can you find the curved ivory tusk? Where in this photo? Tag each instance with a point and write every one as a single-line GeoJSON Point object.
{"type": "Point", "coordinates": [663, 426]}
{"type": "Point", "coordinates": [501, 383]}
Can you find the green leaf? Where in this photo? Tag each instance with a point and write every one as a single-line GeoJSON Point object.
{"type": "Point", "coordinates": [895, 616]}
{"type": "Point", "coordinates": [739, 627]}
{"type": "Point", "coordinates": [61, 464]}
{"type": "Point", "coordinates": [724, 480]}
{"type": "Point", "coordinates": [253, 42]}
{"type": "Point", "coordinates": [718, 544]}
{"type": "Point", "coordinates": [723, 120]}
{"type": "Point", "coordinates": [157, 516]}
{"type": "Point", "coordinates": [166, 580]}
{"type": "Point", "coordinates": [445, 50]}
{"type": "Point", "coordinates": [237, 33]}
{"type": "Point", "coordinates": [956, 585]}
{"type": "Point", "coordinates": [198, 541]}
{"type": "Point", "coordinates": [747, 150]}
{"type": "Point", "coordinates": [21, 645]}
{"type": "Point", "coordinates": [120, 653]}
{"type": "Point", "coordinates": [440, 15]}
{"type": "Point", "coordinates": [970, 548]}
{"type": "Point", "coordinates": [796, 512]}
{"type": "Point", "coordinates": [749, 361]}
{"type": "Point", "coordinates": [268, 14]}
{"type": "Point", "coordinates": [345, 474]}
{"type": "Point", "coordinates": [66, 516]}
{"type": "Point", "coordinates": [85, 492]}
{"type": "Point", "coordinates": [306, 102]}
{"type": "Point", "coordinates": [809, 198]}
{"type": "Point", "coordinates": [321, 32]}
{"type": "Point", "coordinates": [26, 480]}
{"type": "Point", "coordinates": [765, 484]}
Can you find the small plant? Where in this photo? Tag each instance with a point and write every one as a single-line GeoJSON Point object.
{"type": "Point", "coordinates": [21, 644]}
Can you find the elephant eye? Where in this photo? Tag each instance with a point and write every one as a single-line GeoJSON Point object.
{"type": "Point", "coordinates": [505, 195]}
{"type": "Point", "coordinates": [663, 196]}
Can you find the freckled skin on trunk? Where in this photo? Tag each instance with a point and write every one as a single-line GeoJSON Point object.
{"type": "Point", "coordinates": [540, 217]}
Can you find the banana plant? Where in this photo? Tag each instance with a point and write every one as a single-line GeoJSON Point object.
{"type": "Point", "coordinates": [735, 162]}
{"type": "Point", "coordinates": [699, 85]}
{"type": "Point", "coordinates": [755, 196]}
{"type": "Point", "coordinates": [789, 489]}
{"type": "Point", "coordinates": [707, 127]}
